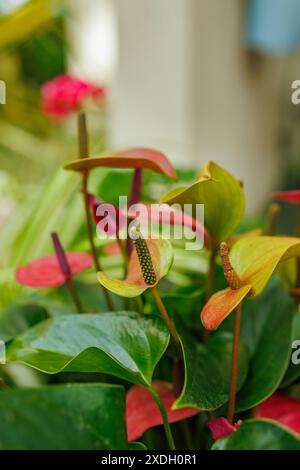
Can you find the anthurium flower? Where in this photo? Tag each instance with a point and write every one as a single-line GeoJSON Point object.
{"type": "Point", "coordinates": [288, 196]}
{"type": "Point", "coordinates": [221, 427]}
{"type": "Point", "coordinates": [161, 259]}
{"type": "Point", "coordinates": [66, 94]}
{"type": "Point", "coordinates": [254, 260]}
{"type": "Point", "coordinates": [143, 413]}
{"type": "Point", "coordinates": [46, 272]}
{"type": "Point", "coordinates": [281, 408]}
{"type": "Point", "coordinates": [222, 196]}
{"type": "Point", "coordinates": [146, 158]}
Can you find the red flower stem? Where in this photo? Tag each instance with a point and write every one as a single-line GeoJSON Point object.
{"type": "Point", "coordinates": [272, 218]}
{"type": "Point", "coordinates": [84, 153]}
{"type": "Point", "coordinates": [134, 197]}
{"type": "Point", "coordinates": [159, 303]}
{"type": "Point", "coordinates": [234, 363]}
{"type": "Point", "coordinates": [164, 416]}
{"type": "Point", "coordinates": [66, 270]}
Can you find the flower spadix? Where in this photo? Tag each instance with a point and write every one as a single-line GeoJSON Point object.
{"type": "Point", "coordinates": [149, 262]}
{"type": "Point", "coordinates": [253, 260]}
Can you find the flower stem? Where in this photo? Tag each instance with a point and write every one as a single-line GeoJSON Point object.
{"type": "Point", "coordinates": [66, 270]}
{"type": "Point", "coordinates": [167, 319]}
{"type": "Point", "coordinates": [84, 153]}
{"type": "Point", "coordinates": [234, 363]}
{"type": "Point", "coordinates": [164, 418]}
{"type": "Point", "coordinates": [74, 294]}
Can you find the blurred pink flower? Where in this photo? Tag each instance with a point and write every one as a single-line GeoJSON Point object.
{"type": "Point", "coordinates": [66, 94]}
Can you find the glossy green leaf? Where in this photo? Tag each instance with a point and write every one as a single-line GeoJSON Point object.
{"type": "Point", "coordinates": [63, 417]}
{"type": "Point", "coordinates": [123, 344]}
{"type": "Point", "coordinates": [162, 258]}
{"type": "Point", "coordinates": [222, 196]}
{"type": "Point", "coordinates": [208, 368]}
{"type": "Point", "coordinates": [266, 330]}
{"type": "Point", "coordinates": [259, 434]}
{"type": "Point", "coordinates": [18, 318]}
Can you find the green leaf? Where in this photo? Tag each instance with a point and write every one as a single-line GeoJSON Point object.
{"type": "Point", "coordinates": [124, 344]}
{"type": "Point", "coordinates": [259, 434]}
{"type": "Point", "coordinates": [222, 196]}
{"type": "Point", "coordinates": [266, 321]}
{"type": "Point", "coordinates": [18, 318]}
{"type": "Point", "coordinates": [208, 368]}
{"type": "Point", "coordinates": [63, 417]}
{"type": "Point", "coordinates": [267, 328]}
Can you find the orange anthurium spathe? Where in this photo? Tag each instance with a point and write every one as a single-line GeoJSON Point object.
{"type": "Point", "coordinates": [136, 158]}
{"type": "Point", "coordinates": [254, 260]}
{"type": "Point", "coordinates": [162, 258]}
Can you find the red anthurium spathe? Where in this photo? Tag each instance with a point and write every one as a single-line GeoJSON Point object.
{"type": "Point", "coordinates": [46, 272]}
{"type": "Point", "coordinates": [292, 197]}
{"type": "Point", "coordinates": [66, 94]}
{"type": "Point", "coordinates": [143, 413]}
{"type": "Point", "coordinates": [221, 427]}
{"type": "Point", "coordinates": [129, 158]}
{"type": "Point", "coordinates": [254, 260]}
{"type": "Point", "coordinates": [281, 408]}
{"type": "Point", "coordinates": [107, 217]}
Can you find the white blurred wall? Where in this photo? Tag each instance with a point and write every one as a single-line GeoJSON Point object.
{"type": "Point", "coordinates": [182, 80]}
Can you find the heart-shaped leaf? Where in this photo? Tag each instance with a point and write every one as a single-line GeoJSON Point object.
{"type": "Point", "coordinates": [259, 434]}
{"type": "Point", "coordinates": [162, 258]}
{"type": "Point", "coordinates": [222, 196]}
{"type": "Point", "coordinates": [254, 260]}
{"type": "Point", "coordinates": [129, 158]}
{"type": "Point", "coordinates": [123, 344]}
{"type": "Point", "coordinates": [63, 417]}
{"type": "Point", "coordinates": [207, 378]}
{"type": "Point", "coordinates": [283, 409]}
{"type": "Point", "coordinates": [143, 413]}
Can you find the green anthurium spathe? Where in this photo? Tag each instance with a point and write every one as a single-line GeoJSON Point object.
{"type": "Point", "coordinates": [222, 196]}
{"type": "Point", "coordinates": [161, 252]}
{"type": "Point", "coordinates": [254, 260]}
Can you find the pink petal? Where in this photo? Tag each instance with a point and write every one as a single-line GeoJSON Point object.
{"type": "Point", "coordinates": [281, 408]}
{"type": "Point", "coordinates": [115, 222]}
{"type": "Point", "coordinates": [164, 214]}
{"type": "Point", "coordinates": [220, 427]}
{"type": "Point", "coordinates": [46, 272]}
{"type": "Point", "coordinates": [289, 196]}
{"type": "Point", "coordinates": [142, 411]}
